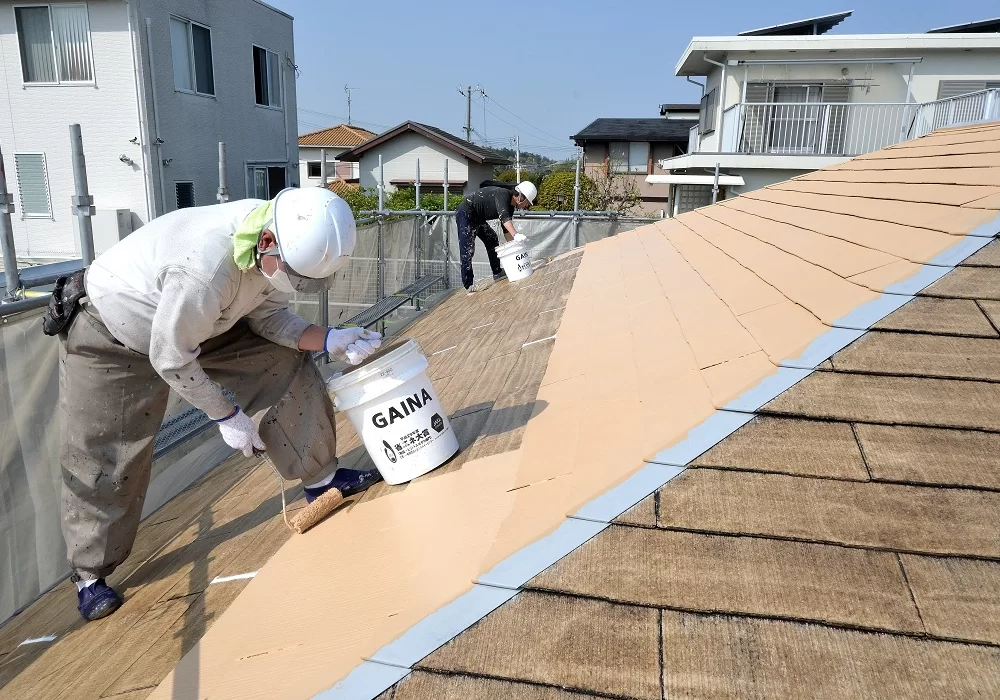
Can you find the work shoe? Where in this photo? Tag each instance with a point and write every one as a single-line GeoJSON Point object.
{"type": "Point", "coordinates": [348, 481]}
{"type": "Point", "coordinates": [97, 600]}
{"type": "Point", "coordinates": [480, 286]}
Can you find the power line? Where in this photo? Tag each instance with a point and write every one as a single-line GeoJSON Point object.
{"type": "Point", "coordinates": [524, 120]}
{"type": "Point", "coordinates": [340, 117]}
{"type": "Point", "coordinates": [514, 126]}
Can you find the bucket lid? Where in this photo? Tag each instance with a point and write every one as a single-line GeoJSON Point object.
{"type": "Point", "coordinates": [509, 247]}
{"type": "Point", "coordinates": [375, 363]}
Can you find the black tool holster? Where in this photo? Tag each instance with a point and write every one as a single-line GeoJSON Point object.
{"type": "Point", "coordinates": [65, 303]}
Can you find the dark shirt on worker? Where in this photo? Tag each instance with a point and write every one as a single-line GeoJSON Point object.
{"type": "Point", "coordinates": [489, 203]}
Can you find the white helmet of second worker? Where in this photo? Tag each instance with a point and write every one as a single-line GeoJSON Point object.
{"type": "Point", "coordinates": [316, 235]}
{"type": "Point", "coordinates": [527, 190]}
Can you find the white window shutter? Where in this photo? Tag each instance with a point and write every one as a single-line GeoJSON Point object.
{"type": "Point", "coordinates": [33, 185]}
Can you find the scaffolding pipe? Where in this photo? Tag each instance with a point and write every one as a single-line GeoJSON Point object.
{"type": "Point", "coordinates": [381, 183]}
{"type": "Point", "coordinates": [576, 204]}
{"type": "Point", "coordinates": [13, 280]}
{"type": "Point", "coordinates": [223, 194]}
{"type": "Point", "coordinates": [417, 182]}
{"type": "Point", "coordinates": [715, 185]}
{"type": "Point", "coordinates": [322, 167]}
{"type": "Point", "coordinates": [447, 232]}
{"type": "Point", "coordinates": [83, 201]}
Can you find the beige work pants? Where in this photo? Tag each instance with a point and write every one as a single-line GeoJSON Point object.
{"type": "Point", "coordinates": [112, 403]}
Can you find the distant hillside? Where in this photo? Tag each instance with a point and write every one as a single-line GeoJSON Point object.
{"type": "Point", "coordinates": [527, 157]}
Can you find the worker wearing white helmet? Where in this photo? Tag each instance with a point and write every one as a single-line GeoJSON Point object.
{"type": "Point", "coordinates": [488, 204]}
{"type": "Point", "coordinates": [196, 303]}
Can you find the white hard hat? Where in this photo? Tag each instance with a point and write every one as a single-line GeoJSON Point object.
{"type": "Point", "coordinates": [527, 190]}
{"type": "Point", "coordinates": [315, 230]}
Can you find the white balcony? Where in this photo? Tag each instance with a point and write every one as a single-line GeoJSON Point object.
{"type": "Point", "coordinates": [832, 130]}
{"type": "Point", "coordinates": [848, 128]}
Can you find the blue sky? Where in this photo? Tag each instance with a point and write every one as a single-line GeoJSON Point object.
{"type": "Point", "coordinates": [548, 67]}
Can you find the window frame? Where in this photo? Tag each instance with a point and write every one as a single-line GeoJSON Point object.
{"type": "Point", "coordinates": [629, 168]}
{"type": "Point", "coordinates": [55, 57]}
{"type": "Point", "coordinates": [48, 186]}
{"type": "Point", "coordinates": [252, 166]}
{"type": "Point", "coordinates": [191, 57]}
{"type": "Point", "coordinates": [319, 169]}
{"type": "Point", "coordinates": [281, 78]}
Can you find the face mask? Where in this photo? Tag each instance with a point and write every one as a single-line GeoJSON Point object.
{"type": "Point", "coordinates": [279, 280]}
{"type": "Point", "coordinates": [291, 283]}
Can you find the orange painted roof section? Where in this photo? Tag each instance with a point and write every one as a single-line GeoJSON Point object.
{"type": "Point", "coordinates": [340, 136]}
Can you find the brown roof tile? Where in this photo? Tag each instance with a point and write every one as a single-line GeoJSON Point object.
{"type": "Point", "coordinates": [421, 685]}
{"type": "Point", "coordinates": [905, 518]}
{"type": "Point", "coordinates": [738, 575]}
{"type": "Point", "coordinates": [340, 136]}
{"type": "Point", "coordinates": [925, 355]}
{"type": "Point", "coordinates": [642, 514]}
{"type": "Point", "coordinates": [947, 316]}
{"type": "Point", "coordinates": [876, 399]}
{"type": "Point", "coordinates": [931, 455]}
{"type": "Point", "coordinates": [967, 283]}
{"type": "Point", "coordinates": [719, 657]}
{"type": "Point", "coordinates": [957, 597]}
{"type": "Point", "coordinates": [988, 256]}
{"type": "Point", "coordinates": [577, 644]}
{"type": "Point", "coordinates": [808, 448]}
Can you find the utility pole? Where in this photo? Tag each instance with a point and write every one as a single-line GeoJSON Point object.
{"type": "Point", "coordinates": [467, 93]}
{"type": "Point", "coordinates": [517, 156]}
{"type": "Point", "coordinates": [348, 91]}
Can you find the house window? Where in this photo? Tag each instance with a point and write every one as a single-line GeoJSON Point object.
{"type": "Point", "coordinates": [266, 78]}
{"type": "Point", "coordinates": [629, 157]}
{"type": "Point", "coordinates": [191, 47]}
{"type": "Point", "coordinates": [33, 185]}
{"type": "Point", "coordinates": [265, 181]}
{"type": "Point", "coordinates": [706, 116]}
{"type": "Point", "coordinates": [314, 169]}
{"type": "Point", "coordinates": [184, 194]}
{"type": "Point", "coordinates": [54, 41]}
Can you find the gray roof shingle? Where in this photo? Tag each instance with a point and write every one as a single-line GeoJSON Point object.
{"type": "Point", "coordinates": [654, 130]}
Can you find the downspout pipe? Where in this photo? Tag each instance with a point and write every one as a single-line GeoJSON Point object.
{"type": "Point", "coordinates": [145, 148]}
{"type": "Point", "coordinates": [157, 141]}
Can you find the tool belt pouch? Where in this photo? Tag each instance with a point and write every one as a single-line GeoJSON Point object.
{"type": "Point", "coordinates": [64, 304]}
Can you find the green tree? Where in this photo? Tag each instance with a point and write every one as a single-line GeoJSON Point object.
{"type": "Point", "coordinates": [360, 200]}
{"type": "Point", "coordinates": [556, 192]}
{"type": "Point", "coordinates": [510, 175]}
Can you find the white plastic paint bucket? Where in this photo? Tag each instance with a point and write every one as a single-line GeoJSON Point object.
{"type": "Point", "coordinates": [516, 260]}
{"type": "Point", "coordinates": [393, 406]}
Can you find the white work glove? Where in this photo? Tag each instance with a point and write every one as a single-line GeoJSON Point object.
{"type": "Point", "coordinates": [240, 433]}
{"type": "Point", "coordinates": [355, 344]}
{"type": "Point", "coordinates": [520, 238]}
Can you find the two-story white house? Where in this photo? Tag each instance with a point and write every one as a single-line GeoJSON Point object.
{"type": "Point", "coordinates": [784, 100]}
{"type": "Point", "coordinates": [330, 143]}
{"type": "Point", "coordinates": [403, 146]}
{"type": "Point", "coordinates": [155, 86]}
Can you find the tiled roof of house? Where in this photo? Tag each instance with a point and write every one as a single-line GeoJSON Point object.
{"type": "Point", "coordinates": [653, 130]}
{"type": "Point", "coordinates": [475, 153]}
{"type": "Point", "coordinates": [667, 488]}
{"type": "Point", "coordinates": [340, 186]}
{"type": "Point", "coordinates": [340, 136]}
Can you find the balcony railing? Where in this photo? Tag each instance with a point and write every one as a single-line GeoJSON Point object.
{"type": "Point", "coordinates": [846, 128]}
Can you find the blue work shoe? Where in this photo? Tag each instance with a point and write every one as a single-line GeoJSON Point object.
{"type": "Point", "coordinates": [97, 601]}
{"type": "Point", "coordinates": [347, 481]}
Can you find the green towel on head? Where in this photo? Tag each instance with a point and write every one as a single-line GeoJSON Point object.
{"type": "Point", "coordinates": [246, 236]}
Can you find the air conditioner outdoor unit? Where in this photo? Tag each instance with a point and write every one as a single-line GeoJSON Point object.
{"type": "Point", "coordinates": [110, 226]}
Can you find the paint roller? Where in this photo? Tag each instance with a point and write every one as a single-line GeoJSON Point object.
{"type": "Point", "coordinates": [312, 514]}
